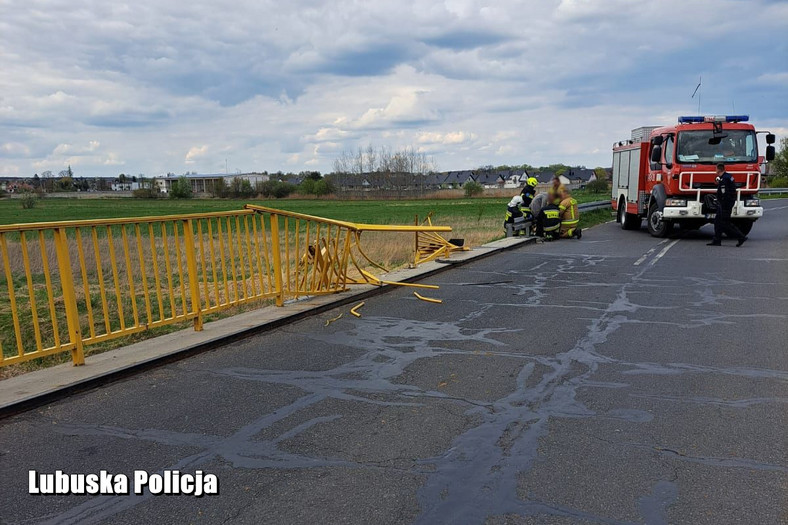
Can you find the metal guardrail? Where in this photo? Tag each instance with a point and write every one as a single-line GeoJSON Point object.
{"type": "Point", "coordinates": [772, 191]}
{"type": "Point", "coordinates": [596, 205]}
{"type": "Point", "coordinates": [76, 283]}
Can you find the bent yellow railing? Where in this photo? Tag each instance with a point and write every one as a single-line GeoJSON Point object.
{"type": "Point", "coordinates": [76, 283]}
{"type": "Point", "coordinates": [431, 245]}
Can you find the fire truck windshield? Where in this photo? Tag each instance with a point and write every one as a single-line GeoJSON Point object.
{"type": "Point", "coordinates": [701, 147]}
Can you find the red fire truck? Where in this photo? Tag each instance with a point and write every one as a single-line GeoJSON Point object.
{"type": "Point", "coordinates": [666, 175]}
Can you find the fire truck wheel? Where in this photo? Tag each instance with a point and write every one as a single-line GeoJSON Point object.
{"type": "Point", "coordinates": [656, 226]}
{"type": "Point", "coordinates": [744, 225]}
{"type": "Point", "coordinates": [628, 221]}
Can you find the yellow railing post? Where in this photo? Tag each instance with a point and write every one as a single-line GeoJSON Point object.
{"type": "Point", "coordinates": [194, 278]}
{"type": "Point", "coordinates": [69, 297]}
{"type": "Point", "coordinates": [416, 248]}
{"type": "Point", "coordinates": [280, 292]}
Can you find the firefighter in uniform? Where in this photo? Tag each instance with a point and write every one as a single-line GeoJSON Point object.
{"type": "Point", "coordinates": [515, 208]}
{"type": "Point", "coordinates": [554, 192]}
{"type": "Point", "coordinates": [548, 222]}
{"type": "Point", "coordinates": [726, 199]}
{"type": "Point", "coordinates": [520, 205]}
{"type": "Point", "coordinates": [529, 192]}
{"type": "Point", "coordinates": [570, 216]}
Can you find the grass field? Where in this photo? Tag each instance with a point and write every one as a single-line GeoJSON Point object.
{"type": "Point", "coordinates": [774, 196]}
{"type": "Point", "coordinates": [383, 212]}
{"type": "Point", "coordinates": [477, 220]}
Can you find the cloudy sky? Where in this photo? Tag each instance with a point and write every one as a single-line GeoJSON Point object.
{"type": "Point", "coordinates": [156, 86]}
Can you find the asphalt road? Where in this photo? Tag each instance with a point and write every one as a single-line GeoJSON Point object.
{"type": "Point", "coordinates": [616, 379]}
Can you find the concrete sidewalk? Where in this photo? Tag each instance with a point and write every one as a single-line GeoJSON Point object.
{"type": "Point", "coordinates": [35, 388]}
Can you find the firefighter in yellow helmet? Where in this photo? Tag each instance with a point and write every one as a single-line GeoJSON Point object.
{"type": "Point", "coordinates": [570, 216]}
{"type": "Point", "coordinates": [527, 194]}
{"type": "Point", "coordinates": [520, 205]}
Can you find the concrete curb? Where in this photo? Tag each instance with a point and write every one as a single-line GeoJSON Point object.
{"type": "Point", "coordinates": [27, 391]}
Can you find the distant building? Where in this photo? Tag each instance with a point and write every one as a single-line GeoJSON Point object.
{"type": "Point", "coordinates": [434, 180]}
{"type": "Point", "coordinates": [208, 183]}
{"type": "Point", "coordinates": [126, 185]}
{"type": "Point", "coordinates": [456, 179]}
{"type": "Point", "coordinates": [161, 184]}
{"type": "Point", "coordinates": [489, 179]}
{"type": "Point", "coordinates": [513, 178]}
{"type": "Point", "coordinates": [580, 176]}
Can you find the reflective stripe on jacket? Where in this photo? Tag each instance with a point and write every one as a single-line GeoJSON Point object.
{"type": "Point", "coordinates": [570, 215]}
{"type": "Point", "coordinates": [552, 219]}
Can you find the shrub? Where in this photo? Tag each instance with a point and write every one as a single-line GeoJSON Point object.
{"type": "Point", "coordinates": [145, 193]}
{"type": "Point", "coordinates": [29, 200]}
{"type": "Point", "coordinates": [778, 182]}
{"type": "Point", "coordinates": [181, 189]}
{"type": "Point", "coordinates": [276, 189]}
{"type": "Point", "coordinates": [282, 190]}
{"type": "Point", "coordinates": [597, 186]}
{"type": "Point", "coordinates": [472, 188]}
{"type": "Point", "coordinates": [239, 188]}
{"type": "Point", "coordinates": [318, 187]}
{"type": "Point", "coordinates": [323, 187]}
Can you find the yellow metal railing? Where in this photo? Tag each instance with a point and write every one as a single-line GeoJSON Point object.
{"type": "Point", "coordinates": [431, 245]}
{"type": "Point", "coordinates": [76, 283]}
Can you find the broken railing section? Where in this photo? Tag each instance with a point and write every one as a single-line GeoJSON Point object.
{"type": "Point", "coordinates": [66, 285]}
{"type": "Point", "coordinates": [430, 245]}
{"type": "Point", "coordinates": [326, 255]}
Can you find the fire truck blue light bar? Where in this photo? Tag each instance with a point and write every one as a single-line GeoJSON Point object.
{"type": "Point", "coordinates": [727, 118]}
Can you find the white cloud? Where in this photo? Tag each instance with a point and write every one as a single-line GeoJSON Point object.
{"type": "Point", "coordinates": [292, 84]}
{"type": "Point", "coordinates": [62, 149]}
{"type": "Point", "coordinates": [452, 137]}
{"type": "Point", "coordinates": [194, 153]}
{"type": "Point", "coordinates": [9, 170]}
{"type": "Point", "coordinates": [409, 106]}
{"type": "Point", "coordinates": [779, 79]}
{"type": "Point", "coordinates": [15, 148]}
{"type": "Point", "coordinates": [112, 159]}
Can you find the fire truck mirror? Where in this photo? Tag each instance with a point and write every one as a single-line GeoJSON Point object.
{"type": "Point", "coordinates": [657, 141]}
{"type": "Point", "coordinates": [770, 138]}
{"type": "Point", "coordinates": [656, 153]}
{"type": "Point", "coordinates": [770, 153]}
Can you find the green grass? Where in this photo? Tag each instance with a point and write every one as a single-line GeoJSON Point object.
{"type": "Point", "coordinates": [765, 197]}
{"type": "Point", "coordinates": [594, 217]}
{"type": "Point", "coordinates": [380, 212]}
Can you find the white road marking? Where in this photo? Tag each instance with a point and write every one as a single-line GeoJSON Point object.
{"type": "Point", "coordinates": [645, 255]}
{"type": "Point", "coordinates": [663, 252]}
{"type": "Point", "coordinates": [773, 209]}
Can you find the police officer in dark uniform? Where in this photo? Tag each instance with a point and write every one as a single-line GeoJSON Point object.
{"type": "Point", "coordinates": [726, 199]}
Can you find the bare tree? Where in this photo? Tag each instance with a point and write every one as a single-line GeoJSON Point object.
{"type": "Point", "coordinates": [46, 179]}
{"type": "Point", "coordinates": [400, 170]}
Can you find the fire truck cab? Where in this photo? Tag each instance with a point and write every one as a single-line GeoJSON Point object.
{"type": "Point", "coordinates": [667, 176]}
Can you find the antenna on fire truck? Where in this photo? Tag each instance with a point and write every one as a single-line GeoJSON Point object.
{"type": "Point", "coordinates": [700, 82]}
